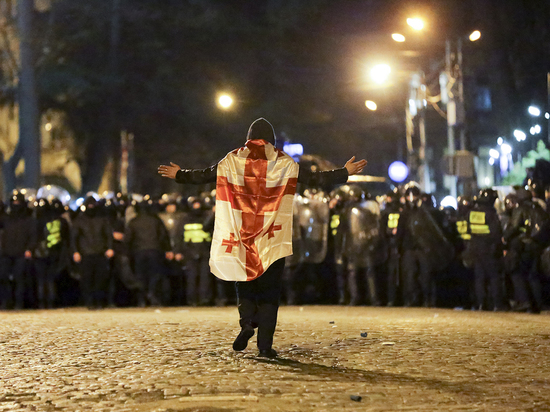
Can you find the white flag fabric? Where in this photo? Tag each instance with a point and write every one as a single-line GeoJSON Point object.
{"type": "Point", "coordinates": [255, 189]}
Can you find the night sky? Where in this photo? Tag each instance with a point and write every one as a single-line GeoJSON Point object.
{"type": "Point", "coordinates": [303, 65]}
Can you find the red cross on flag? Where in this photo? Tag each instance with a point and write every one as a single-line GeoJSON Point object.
{"type": "Point", "coordinates": [254, 194]}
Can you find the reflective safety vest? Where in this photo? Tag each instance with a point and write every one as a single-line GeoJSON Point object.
{"type": "Point", "coordinates": [53, 233]}
{"type": "Point", "coordinates": [334, 223]}
{"type": "Point", "coordinates": [478, 225]}
{"type": "Point", "coordinates": [194, 233]}
{"type": "Point", "coordinates": [462, 228]}
{"type": "Point", "coordinates": [393, 220]}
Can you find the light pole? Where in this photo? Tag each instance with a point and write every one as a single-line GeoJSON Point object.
{"type": "Point", "coordinates": [414, 121]}
{"type": "Point", "coordinates": [453, 100]}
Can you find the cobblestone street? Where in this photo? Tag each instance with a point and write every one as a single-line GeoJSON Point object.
{"type": "Point", "coordinates": [180, 359]}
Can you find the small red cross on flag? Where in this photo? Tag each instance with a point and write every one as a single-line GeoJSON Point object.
{"type": "Point", "coordinates": [254, 194]}
{"type": "Point", "coordinates": [230, 243]}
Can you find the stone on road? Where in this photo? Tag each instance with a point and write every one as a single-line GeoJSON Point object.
{"type": "Point", "coordinates": [181, 359]}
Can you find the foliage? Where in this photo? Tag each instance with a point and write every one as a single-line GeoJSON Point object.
{"type": "Point", "coordinates": [518, 174]}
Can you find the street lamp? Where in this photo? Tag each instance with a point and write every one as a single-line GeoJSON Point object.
{"type": "Point", "coordinates": [225, 101]}
{"type": "Point", "coordinates": [536, 129]}
{"type": "Point", "coordinates": [534, 111]}
{"type": "Point", "coordinates": [475, 35]}
{"type": "Point", "coordinates": [416, 23]}
{"type": "Point", "coordinates": [398, 37]}
{"type": "Point", "coordinates": [520, 135]}
{"type": "Point", "coordinates": [371, 105]}
{"type": "Point", "coordinates": [380, 73]}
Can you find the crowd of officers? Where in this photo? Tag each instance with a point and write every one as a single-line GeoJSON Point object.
{"type": "Point", "coordinates": [349, 248]}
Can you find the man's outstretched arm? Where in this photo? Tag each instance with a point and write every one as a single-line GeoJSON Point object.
{"type": "Point", "coordinates": [191, 176]}
{"type": "Point", "coordinates": [331, 177]}
{"type": "Point", "coordinates": [209, 175]}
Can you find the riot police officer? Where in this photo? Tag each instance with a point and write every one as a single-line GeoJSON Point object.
{"type": "Point", "coordinates": [464, 205]}
{"type": "Point", "coordinates": [304, 283]}
{"type": "Point", "coordinates": [148, 243]}
{"type": "Point", "coordinates": [362, 246]}
{"type": "Point", "coordinates": [526, 235]}
{"type": "Point", "coordinates": [390, 220]}
{"type": "Point", "coordinates": [173, 218]}
{"type": "Point", "coordinates": [335, 244]}
{"type": "Point", "coordinates": [18, 242]}
{"type": "Point", "coordinates": [197, 237]}
{"type": "Point", "coordinates": [425, 250]}
{"type": "Point", "coordinates": [52, 251]}
{"type": "Point", "coordinates": [92, 245]}
{"type": "Point", "coordinates": [485, 249]}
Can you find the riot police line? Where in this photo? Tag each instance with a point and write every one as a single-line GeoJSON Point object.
{"type": "Point", "coordinates": [350, 248]}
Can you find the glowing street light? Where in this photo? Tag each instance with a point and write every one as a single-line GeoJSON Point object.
{"type": "Point", "coordinates": [225, 101]}
{"type": "Point", "coordinates": [519, 135]}
{"type": "Point", "coordinates": [415, 23]}
{"type": "Point", "coordinates": [536, 129]}
{"type": "Point", "coordinates": [380, 73]}
{"type": "Point", "coordinates": [534, 111]}
{"type": "Point", "coordinates": [475, 35]}
{"type": "Point", "coordinates": [371, 105]}
{"type": "Point", "coordinates": [506, 149]}
{"type": "Point", "coordinates": [398, 37]}
{"type": "Point", "coordinates": [494, 153]}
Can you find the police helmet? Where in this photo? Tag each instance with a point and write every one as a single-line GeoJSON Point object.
{"type": "Point", "coordinates": [487, 197]}
{"type": "Point", "coordinates": [356, 193]}
{"type": "Point", "coordinates": [17, 201]}
{"type": "Point", "coordinates": [412, 192]}
{"type": "Point", "coordinates": [536, 187]}
{"type": "Point", "coordinates": [89, 205]}
{"type": "Point", "coordinates": [412, 188]}
{"type": "Point", "coordinates": [194, 203]}
{"type": "Point", "coordinates": [393, 195]}
{"type": "Point", "coordinates": [57, 207]}
{"type": "Point", "coordinates": [206, 200]}
{"type": "Point", "coordinates": [428, 199]}
{"type": "Point", "coordinates": [145, 205]}
{"type": "Point", "coordinates": [523, 194]}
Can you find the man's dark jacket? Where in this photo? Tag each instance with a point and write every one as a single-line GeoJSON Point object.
{"type": "Point", "coordinates": [305, 176]}
{"type": "Point", "coordinates": [92, 235]}
{"type": "Point", "coordinates": [147, 232]}
{"type": "Point", "coordinates": [18, 234]}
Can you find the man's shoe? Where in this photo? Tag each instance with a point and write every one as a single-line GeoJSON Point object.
{"type": "Point", "coordinates": [268, 353]}
{"type": "Point", "coordinates": [242, 340]}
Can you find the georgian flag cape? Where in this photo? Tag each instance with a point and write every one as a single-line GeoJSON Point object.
{"type": "Point", "coordinates": [253, 226]}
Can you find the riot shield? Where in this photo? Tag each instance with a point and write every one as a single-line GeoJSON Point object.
{"type": "Point", "coordinates": [294, 259]}
{"type": "Point", "coordinates": [363, 234]}
{"type": "Point", "coordinates": [429, 236]}
{"type": "Point", "coordinates": [311, 222]}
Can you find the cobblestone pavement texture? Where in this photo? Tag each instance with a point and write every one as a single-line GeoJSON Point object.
{"type": "Point", "coordinates": [180, 359]}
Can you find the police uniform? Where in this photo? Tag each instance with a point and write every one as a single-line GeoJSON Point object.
{"type": "Point", "coordinates": [524, 247]}
{"type": "Point", "coordinates": [197, 238]}
{"type": "Point", "coordinates": [390, 221]}
{"type": "Point", "coordinates": [485, 250]}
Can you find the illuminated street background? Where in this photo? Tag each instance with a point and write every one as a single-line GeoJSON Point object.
{"type": "Point", "coordinates": [180, 359]}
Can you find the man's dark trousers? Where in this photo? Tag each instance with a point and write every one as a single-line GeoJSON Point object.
{"type": "Point", "coordinates": [258, 302]}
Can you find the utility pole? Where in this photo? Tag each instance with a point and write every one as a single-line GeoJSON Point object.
{"type": "Point", "coordinates": [29, 133]}
{"type": "Point", "coordinates": [416, 108]}
{"type": "Point", "coordinates": [451, 121]}
{"type": "Point", "coordinates": [548, 105]}
{"type": "Point", "coordinates": [113, 71]}
{"type": "Point", "coordinates": [461, 115]}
